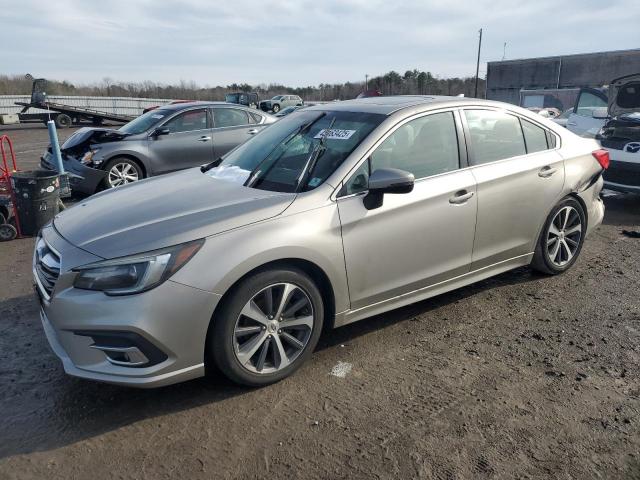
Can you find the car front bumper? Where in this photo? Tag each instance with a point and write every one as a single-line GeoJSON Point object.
{"type": "Point", "coordinates": [84, 179]}
{"type": "Point", "coordinates": [150, 339]}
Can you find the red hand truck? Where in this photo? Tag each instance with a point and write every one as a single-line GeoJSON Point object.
{"type": "Point", "coordinates": [7, 194]}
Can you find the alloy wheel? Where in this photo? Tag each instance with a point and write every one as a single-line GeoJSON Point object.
{"type": "Point", "coordinates": [565, 234]}
{"type": "Point", "coordinates": [121, 174]}
{"type": "Point", "coordinates": [273, 328]}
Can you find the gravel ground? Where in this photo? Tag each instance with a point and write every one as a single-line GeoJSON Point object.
{"type": "Point", "coordinates": [519, 376]}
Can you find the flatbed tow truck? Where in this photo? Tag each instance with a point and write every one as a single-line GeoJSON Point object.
{"type": "Point", "coordinates": [63, 115]}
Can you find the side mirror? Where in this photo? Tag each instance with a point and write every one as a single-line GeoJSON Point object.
{"type": "Point", "coordinates": [600, 112]}
{"type": "Point", "coordinates": [161, 131]}
{"type": "Point", "coordinates": [387, 180]}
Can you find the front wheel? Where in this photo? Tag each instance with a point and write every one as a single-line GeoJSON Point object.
{"type": "Point", "coordinates": [268, 327]}
{"type": "Point", "coordinates": [276, 108]}
{"type": "Point", "coordinates": [561, 239]}
{"type": "Point", "coordinates": [121, 171]}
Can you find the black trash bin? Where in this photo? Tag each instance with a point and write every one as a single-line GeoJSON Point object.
{"type": "Point", "coordinates": [37, 198]}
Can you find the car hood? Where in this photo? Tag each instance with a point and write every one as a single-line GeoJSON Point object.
{"type": "Point", "coordinates": [80, 141]}
{"type": "Point", "coordinates": [164, 211]}
{"type": "Point", "coordinates": [624, 95]}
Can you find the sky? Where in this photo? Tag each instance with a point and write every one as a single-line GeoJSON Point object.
{"type": "Point", "coordinates": [296, 43]}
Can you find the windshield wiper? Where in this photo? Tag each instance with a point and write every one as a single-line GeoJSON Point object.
{"type": "Point", "coordinates": [209, 166]}
{"type": "Point", "coordinates": [313, 158]}
{"type": "Point", "coordinates": [255, 173]}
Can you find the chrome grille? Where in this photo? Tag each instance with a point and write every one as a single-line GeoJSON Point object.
{"type": "Point", "coordinates": [46, 265]}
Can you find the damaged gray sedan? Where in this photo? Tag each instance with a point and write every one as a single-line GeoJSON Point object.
{"type": "Point", "coordinates": [331, 215]}
{"type": "Point", "coordinates": [172, 137]}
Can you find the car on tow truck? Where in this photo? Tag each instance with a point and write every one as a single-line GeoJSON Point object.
{"type": "Point", "coordinates": [166, 139]}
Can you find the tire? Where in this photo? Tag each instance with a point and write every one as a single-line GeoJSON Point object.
{"type": "Point", "coordinates": [276, 108]}
{"type": "Point", "coordinates": [7, 232]}
{"type": "Point", "coordinates": [63, 120]}
{"type": "Point", "coordinates": [561, 239]}
{"type": "Point", "coordinates": [130, 171]}
{"type": "Point", "coordinates": [96, 121]}
{"type": "Point", "coordinates": [247, 351]}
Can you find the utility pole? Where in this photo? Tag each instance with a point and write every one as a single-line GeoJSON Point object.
{"type": "Point", "coordinates": [366, 82]}
{"type": "Point", "coordinates": [478, 64]}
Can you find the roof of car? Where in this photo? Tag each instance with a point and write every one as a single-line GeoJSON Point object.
{"type": "Point", "coordinates": [195, 103]}
{"type": "Point", "coordinates": [391, 104]}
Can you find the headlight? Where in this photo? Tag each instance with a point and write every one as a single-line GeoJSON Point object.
{"type": "Point", "coordinates": [137, 273]}
{"type": "Point", "coordinates": [87, 158]}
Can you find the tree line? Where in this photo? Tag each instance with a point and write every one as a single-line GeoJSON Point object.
{"type": "Point", "coordinates": [413, 82]}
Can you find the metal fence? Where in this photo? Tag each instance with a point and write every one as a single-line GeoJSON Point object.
{"type": "Point", "coordinates": [114, 105]}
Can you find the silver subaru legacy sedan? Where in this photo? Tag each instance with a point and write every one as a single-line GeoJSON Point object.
{"type": "Point", "coordinates": [333, 214]}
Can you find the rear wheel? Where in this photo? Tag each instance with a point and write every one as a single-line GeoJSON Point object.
{"type": "Point", "coordinates": [561, 239]}
{"type": "Point", "coordinates": [63, 120]}
{"type": "Point", "coordinates": [121, 171]}
{"type": "Point", "coordinates": [268, 327]}
{"type": "Point", "coordinates": [276, 108]}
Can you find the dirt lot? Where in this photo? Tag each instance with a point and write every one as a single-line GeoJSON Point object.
{"type": "Point", "coordinates": [520, 376]}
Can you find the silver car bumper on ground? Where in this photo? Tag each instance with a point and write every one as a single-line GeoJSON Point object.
{"type": "Point", "coordinates": [149, 339]}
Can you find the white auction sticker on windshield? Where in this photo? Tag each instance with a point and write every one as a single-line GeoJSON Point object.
{"type": "Point", "coordinates": [335, 134]}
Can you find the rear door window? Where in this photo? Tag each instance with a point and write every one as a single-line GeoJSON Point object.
{"type": "Point", "coordinates": [535, 137]}
{"type": "Point", "coordinates": [254, 118]}
{"type": "Point", "coordinates": [493, 136]}
{"type": "Point", "coordinates": [229, 117]}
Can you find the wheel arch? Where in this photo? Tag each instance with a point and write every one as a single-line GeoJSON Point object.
{"type": "Point", "coordinates": [573, 195]}
{"type": "Point", "coordinates": [134, 158]}
{"type": "Point", "coordinates": [582, 203]}
{"type": "Point", "coordinates": [314, 271]}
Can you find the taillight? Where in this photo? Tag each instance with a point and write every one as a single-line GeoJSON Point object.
{"type": "Point", "coordinates": [602, 156]}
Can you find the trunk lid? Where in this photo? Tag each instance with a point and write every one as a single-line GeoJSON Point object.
{"type": "Point", "coordinates": [624, 95]}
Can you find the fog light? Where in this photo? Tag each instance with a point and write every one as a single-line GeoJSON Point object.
{"type": "Point", "coordinates": [125, 349]}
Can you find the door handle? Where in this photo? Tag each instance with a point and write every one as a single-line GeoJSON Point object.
{"type": "Point", "coordinates": [253, 131]}
{"type": "Point", "coordinates": [573, 124]}
{"type": "Point", "coordinates": [204, 138]}
{"type": "Point", "coordinates": [546, 172]}
{"type": "Point", "coordinates": [460, 197]}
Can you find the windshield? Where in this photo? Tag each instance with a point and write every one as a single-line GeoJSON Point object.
{"type": "Point", "coordinates": [288, 156]}
{"type": "Point", "coordinates": [144, 122]}
{"type": "Point", "coordinates": [231, 97]}
{"type": "Point", "coordinates": [277, 97]}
